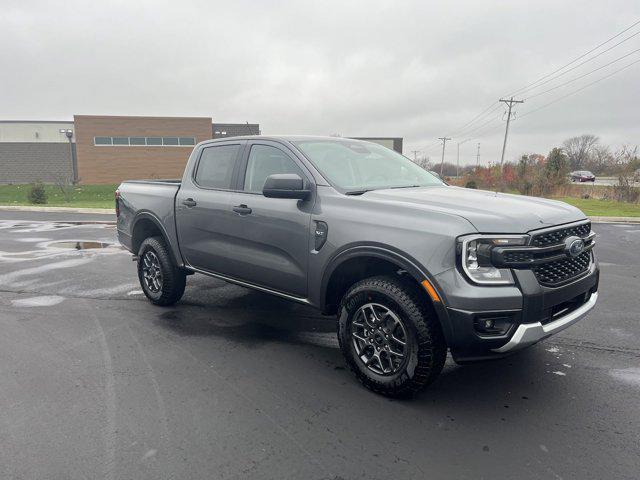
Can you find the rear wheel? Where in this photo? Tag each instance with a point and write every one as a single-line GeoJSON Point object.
{"type": "Point", "coordinates": [390, 337]}
{"type": "Point", "coordinates": [161, 280]}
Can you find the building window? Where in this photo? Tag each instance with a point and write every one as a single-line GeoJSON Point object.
{"type": "Point", "coordinates": [145, 141]}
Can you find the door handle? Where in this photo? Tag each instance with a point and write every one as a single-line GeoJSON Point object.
{"type": "Point", "coordinates": [189, 202]}
{"type": "Point", "coordinates": [242, 209]}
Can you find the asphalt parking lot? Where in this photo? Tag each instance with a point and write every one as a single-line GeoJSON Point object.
{"type": "Point", "coordinates": [231, 383]}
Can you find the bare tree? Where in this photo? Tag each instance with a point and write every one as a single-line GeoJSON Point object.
{"type": "Point", "coordinates": [579, 149]}
{"type": "Point", "coordinates": [626, 159]}
{"type": "Point", "coordinates": [424, 162]}
{"type": "Point", "coordinates": [65, 185]}
{"type": "Point", "coordinates": [600, 159]}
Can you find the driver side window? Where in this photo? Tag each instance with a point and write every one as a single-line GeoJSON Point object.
{"type": "Point", "coordinates": [265, 160]}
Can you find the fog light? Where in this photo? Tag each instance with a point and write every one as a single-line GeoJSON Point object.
{"type": "Point", "coordinates": [492, 325]}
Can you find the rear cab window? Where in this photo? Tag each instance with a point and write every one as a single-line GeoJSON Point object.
{"type": "Point", "coordinates": [216, 165]}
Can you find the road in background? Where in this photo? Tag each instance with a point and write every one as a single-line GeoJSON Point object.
{"type": "Point", "coordinates": [232, 383]}
{"type": "Point", "coordinates": [604, 181]}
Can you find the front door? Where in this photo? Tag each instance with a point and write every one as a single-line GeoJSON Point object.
{"type": "Point", "coordinates": [270, 235]}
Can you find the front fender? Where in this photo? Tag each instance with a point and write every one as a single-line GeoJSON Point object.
{"type": "Point", "coordinates": [390, 254]}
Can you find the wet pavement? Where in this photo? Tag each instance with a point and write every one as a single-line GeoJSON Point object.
{"type": "Point", "coordinates": [232, 383]}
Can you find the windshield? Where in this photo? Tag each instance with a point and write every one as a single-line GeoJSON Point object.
{"type": "Point", "coordinates": [356, 166]}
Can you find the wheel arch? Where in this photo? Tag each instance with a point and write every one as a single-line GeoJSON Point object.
{"type": "Point", "coordinates": [146, 225]}
{"type": "Point", "coordinates": [358, 262]}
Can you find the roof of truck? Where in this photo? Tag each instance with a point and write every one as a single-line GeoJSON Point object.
{"type": "Point", "coordinates": [287, 138]}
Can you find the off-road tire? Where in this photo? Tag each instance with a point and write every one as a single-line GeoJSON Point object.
{"type": "Point", "coordinates": [427, 353]}
{"type": "Point", "coordinates": [173, 278]}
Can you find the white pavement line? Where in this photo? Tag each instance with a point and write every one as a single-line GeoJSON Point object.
{"type": "Point", "coordinates": [11, 276]}
{"type": "Point", "coordinates": [43, 301]}
{"type": "Point", "coordinates": [24, 208]}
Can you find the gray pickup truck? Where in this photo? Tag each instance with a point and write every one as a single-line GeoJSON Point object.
{"type": "Point", "coordinates": [412, 267]}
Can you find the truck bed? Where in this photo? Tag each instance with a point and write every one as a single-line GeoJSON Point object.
{"type": "Point", "coordinates": [148, 198]}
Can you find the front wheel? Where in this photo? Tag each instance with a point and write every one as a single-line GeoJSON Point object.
{"type": "Point", "coordinates": [161, 280]}
{"type": "Point", "coordinates": [390, 337]}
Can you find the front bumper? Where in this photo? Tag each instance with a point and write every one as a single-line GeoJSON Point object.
{"type": "Point", "coordinates": [529, 333]}
{"type": "Point", "coordinates": [535, 311]}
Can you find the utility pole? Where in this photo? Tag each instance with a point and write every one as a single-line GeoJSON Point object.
{"type": "Point", "coordinates": [478, 157]}
{"type": "Point", "coordinates": [444, 143]}
{"type": "Point", "coordinates": [458, 162]}
{"type": "Point", "coordinates": [415, 155]}
{"type": "Point", "coordinates": [510, 102]}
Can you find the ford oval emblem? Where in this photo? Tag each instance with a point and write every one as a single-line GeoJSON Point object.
{"type": "Point", "coordinates": [574, 246]}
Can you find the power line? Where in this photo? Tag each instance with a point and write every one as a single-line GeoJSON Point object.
{"type": "Point", "coordinates": [479, 127]}
{"type": "Point", "coordinates": [583, 75]}
{"type": "Point", "coordinates": [482, 134]}
{"type": "Point", "coordinates": [578, 65]}
{"type": "Point", "coordinates": [485, 112]}
{"type": "Point", "coordinates": [526, 87]}
{"type": "Point", "coordinates": [579, 89]}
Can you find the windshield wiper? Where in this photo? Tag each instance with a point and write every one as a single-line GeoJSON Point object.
{"type": "Point", "coordinates": [405, 186]}
{"type": "Point", "coordinates": [359, 192]}
{"type": "Point", "coordinates": [365, 190]}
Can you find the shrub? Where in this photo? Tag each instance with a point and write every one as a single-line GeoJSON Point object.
{"type": "Point", "coordinates": [37, 194]}
{"type": "Point", "coordinates": [471, 184]}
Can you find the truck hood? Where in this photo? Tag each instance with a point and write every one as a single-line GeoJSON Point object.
{"type": "Point", "coordinates": [489, 212]}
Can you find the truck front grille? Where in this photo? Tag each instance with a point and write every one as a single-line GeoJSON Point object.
{"type": "Point", "coordinates": [558, 272]}
{"type": "Point", "coordinates": [556, 237]}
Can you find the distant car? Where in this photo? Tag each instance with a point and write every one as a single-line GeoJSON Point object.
{"type": "Point", "coordinates": [582, 176]}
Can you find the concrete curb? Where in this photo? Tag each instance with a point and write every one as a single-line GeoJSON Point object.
{"type": "Point", "coordinates": [615, 219]}
{"type": "Point", "coordinates": [21, 208]}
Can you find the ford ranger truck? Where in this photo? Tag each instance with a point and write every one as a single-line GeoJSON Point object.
{"type": "Point", "coordinates": [411, 267]}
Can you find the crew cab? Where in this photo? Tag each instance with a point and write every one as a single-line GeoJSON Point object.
{"type": "Point", "coordinates": [411, 267]}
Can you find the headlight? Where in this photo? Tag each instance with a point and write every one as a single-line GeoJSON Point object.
{"type": "Point", "coordinates": [475, 258]}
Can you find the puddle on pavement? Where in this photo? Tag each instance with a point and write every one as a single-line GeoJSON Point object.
{"type": "Point", "coordinates": [83, 245]}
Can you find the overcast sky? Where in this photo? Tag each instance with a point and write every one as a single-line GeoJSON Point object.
{"type": "Point", "coordinates": [414, 69]}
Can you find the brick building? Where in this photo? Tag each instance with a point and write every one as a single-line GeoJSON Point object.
{"type": "Point", "coordinates": [111, 149]}
{"type": "Point", "coordinates": [104, 149]}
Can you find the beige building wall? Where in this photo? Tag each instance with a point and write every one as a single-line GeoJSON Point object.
{"type": "Point", "coordinates": [27, 131]}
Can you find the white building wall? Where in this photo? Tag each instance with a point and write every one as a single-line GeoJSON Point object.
{"type": "Point", "coordinates": [46, 132]}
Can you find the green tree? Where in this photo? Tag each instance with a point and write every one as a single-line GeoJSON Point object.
{"type": "Point", "coordinates": [557, 165]}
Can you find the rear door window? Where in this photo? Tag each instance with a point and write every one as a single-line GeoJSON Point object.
{"type": "Point", "coordinates": [215, 168]}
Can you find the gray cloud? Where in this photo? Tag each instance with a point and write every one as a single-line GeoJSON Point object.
{"type": "Point", "coordinates": [410, 68]}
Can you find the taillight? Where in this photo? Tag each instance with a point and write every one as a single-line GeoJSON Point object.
{"type": "Point", "coordinates": [117, 203]}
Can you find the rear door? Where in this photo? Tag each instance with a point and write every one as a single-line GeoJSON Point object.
{"type": "Point", "coordinates": [203, 208]}
{"type": "Point", "coordinates": [270, 235]}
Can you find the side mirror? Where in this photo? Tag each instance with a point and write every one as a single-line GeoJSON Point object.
{"type": "Point", "coordinates": [285, 185]}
